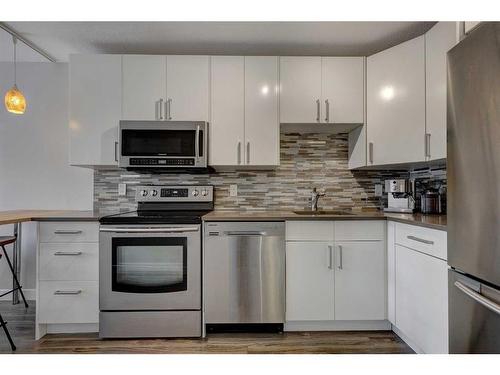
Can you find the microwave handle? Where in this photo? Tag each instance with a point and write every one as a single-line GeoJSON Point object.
{"type": "Point", "coordinates": [197, 142]}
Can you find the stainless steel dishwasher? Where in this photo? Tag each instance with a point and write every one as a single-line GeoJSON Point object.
{"type": "Point", "coordinates": [244, 272]}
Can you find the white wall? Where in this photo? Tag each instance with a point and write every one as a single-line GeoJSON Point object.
{"type": "Point", "coordinates": [34, 170]}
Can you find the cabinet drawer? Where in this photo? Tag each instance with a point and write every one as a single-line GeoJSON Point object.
{"type": "Point", "coordinates": [71, 231]}
{"type": "Point", "coordinates": [313, 230]}
{"type": "Point", "coordinates": [426, 240]}
{"type": "Point", "coordinates": [69, 261]}
{"type": "Point", "coordinates": [68, 302]}
{"type": "Point", "coordinates": [359, 230]}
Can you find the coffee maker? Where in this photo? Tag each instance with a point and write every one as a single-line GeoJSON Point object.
{"type": "Point", "coordinates": [400, 195]}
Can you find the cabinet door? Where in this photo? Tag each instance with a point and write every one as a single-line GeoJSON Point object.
{"type": "Point", "coordinates": [261, 111]}
{"type": "Point", "coordinates": [438, 40]}
{"type": "Point", "coordinates": [95, 109]}
{"type": "Point", "coordinates": [227, 108]}
{"type": "Point", "coordinates": [309, 281]}
{"type": "Point", "coordinates": [188, 88]}
{"type": "Point", "coordinates": [396, 104]}
{"type": "Point", "coordinates": [422, 299]}
{"type": "Point", "coordinates": [144, 85]}
{"type": "Point", "coordinates": [360, 288]}
{"type": "Point", "coordinates": [342, 89]}
{"type": "Point", "coordinates": [300, 93]}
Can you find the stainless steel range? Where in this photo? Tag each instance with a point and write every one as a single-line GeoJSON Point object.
{"type": "Point", "coordinates": [150, 264]}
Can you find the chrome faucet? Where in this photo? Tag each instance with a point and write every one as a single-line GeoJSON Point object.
{"type": "Point", "coordinates": [314, 199]}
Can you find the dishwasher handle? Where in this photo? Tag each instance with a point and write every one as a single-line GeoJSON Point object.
{"type": "Point", "coordinates": [245, 233]}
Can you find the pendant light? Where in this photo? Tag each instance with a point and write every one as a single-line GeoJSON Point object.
{"type": "Point", "coordinates": [15, 102]}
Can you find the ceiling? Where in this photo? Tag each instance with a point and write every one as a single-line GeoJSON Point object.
{"type": "Point", "coordinates": [59, 39]}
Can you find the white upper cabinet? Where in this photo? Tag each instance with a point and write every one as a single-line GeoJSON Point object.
{"type": "Point", "coordinates": [322, 90]}
{"type": "Point", "coordinates": [300, 93]}
{"type": "Point", "coordinates": [244, 130]}
{"type": "Point", "coordinates": [438, 41]}
{"type": "Point", "coordinates": [342, 91]}
{"type": "Point", "coordinates": [227, 128]}
{"type": "Point", "coordinates": [396, 104]}
{"type": "Point", "coordinates": [188, 88]}
{"type": "Point", "coordinates": [261, 110]}
{"type": "Point", "coordinates": [95, 109]}
{"type": "Point", "coordinates": [144, 87]}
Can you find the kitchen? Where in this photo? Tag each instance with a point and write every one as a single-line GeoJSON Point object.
{"type": "Point", "coordinates": [247, 200]}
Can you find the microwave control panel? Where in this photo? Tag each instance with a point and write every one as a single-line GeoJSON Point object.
{"type": "Point", "coordinates": [162, 161]}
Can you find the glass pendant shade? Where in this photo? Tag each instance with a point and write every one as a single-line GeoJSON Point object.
{"type": "Point", "coordinates": [15, 102]}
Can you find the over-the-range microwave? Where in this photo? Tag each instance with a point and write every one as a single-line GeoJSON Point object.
{"type": "Point", "coordinates": [163, 145]}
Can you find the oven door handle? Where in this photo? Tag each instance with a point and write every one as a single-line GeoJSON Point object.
{"type": "Point", "coordinates": [151, 230]}
{"type": "Point", "coordinates": [197, 142]}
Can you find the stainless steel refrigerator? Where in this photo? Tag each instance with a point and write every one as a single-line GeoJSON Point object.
{"type": "Point", "coordinates": [474, 191]}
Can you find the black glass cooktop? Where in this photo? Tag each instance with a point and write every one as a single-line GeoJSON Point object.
{"type": "Point", "coordinates": [155, 217]}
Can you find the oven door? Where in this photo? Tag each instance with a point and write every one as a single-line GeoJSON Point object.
{"type": "Point", "coordinates": [154, 267]}
{"type": "Point", "coordinates": [163, 144]}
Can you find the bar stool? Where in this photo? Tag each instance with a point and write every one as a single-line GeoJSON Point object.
{"type": "Point", "coordinates": [7, 240]}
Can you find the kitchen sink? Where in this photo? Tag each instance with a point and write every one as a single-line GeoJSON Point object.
{"type": "Point", "coordinates": [323, 212]}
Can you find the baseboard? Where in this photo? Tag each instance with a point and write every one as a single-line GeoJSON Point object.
{"type": "Point", "coordinates": [30, 294]}
{"type": "Point", "coordinates": [73, 328]}
{"type": "Point", "coordinates": [408, 342]}
{"type": "Point", "coordinates": [338, 325]}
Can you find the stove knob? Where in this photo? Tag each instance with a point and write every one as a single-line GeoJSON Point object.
{"type": "Point", "coordinates": [204, 193]}
{"type": "Point", "coordinates": [154, 193]}
{"type": "Point", "coordinates": [195, 193]}
{"type": "Point", "coordinates": [144, 193]}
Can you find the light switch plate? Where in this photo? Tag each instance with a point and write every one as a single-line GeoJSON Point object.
{"type": "Point", "coordinates": [378, 190]}
{"type": "Point", "coordinates": [122, 189]}
{"type": "Point", "coordinates": [233, 190]}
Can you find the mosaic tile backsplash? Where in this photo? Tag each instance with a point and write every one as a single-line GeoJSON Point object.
{"type": "Point", "coordinates": [307, 160]}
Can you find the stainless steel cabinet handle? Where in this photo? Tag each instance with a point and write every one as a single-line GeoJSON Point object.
{"type": "Point", "coordinates": [157, 112]}
{"type": "Point", "coordinates": [245, 233]}
{"type": "Point", "coordinates": [370, 152]}
{"type": "Point", "coordinates": [427, 145]}
{"type": "Point", "coordinates": [70, 253]}
{"type": "Point", "coordinates": [168, 106]}
{"type": "Point", "coordinates": [67, 292]}
{"type": "Point", "coordinates": [413, 238]}
{"type": "Point", "coordinates": [489, 304]}
{"type": "Point", "coordinates": [330, 257]}
{"type": "Point", "coordinates": [150, 230]}
{"type": "Point", "coordinates": [248, 152]}
{"type": "Point", "coordinates": [327, 109]}
{"type": "Point", "coordinates": [160, 105]}
{"type": "Point", "coordinates": [67, 231]}
{"type": "Point", "coordinates": [238, 151]}
{"type": "Point", "coordinates": [116, 152]}
{"type": "Point", "coordinates": [341, 265]}
{"type": "Point", "coordinates": [318, 109]}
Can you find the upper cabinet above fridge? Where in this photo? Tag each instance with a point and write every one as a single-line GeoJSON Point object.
{"type": "Point", "coordinates": [166, 87]}
{"type": "Point", "coordinates": [322, 90]}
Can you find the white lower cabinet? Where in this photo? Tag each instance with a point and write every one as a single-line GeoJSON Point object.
{"type": "Point", "coordinates": [67, 277]}
{"type": "Point", "coordinates": [309, 281]}
{"type": "Point", "coordinates": [418, 292]}
{"type": "Point", "coordinates": [360, 280]}
{"type": "Point", "coordinates": [335, 274]}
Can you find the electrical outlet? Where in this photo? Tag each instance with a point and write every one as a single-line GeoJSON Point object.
{"type": "Point", "coordinates": [378, 190]}
{"type": "Point", "coordinates": [233, 190]}
{"type": "Point", "coordinates": [122, 189]}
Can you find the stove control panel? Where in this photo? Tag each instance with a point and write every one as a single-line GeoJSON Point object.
{"type": "Point", "coordinates": [177, 193]}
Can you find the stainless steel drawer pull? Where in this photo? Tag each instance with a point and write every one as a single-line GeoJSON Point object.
{"type": "Point", "coordinates": [67, 292]}
{"type": "Point", "coordinates": [427, 242]}
{"type": "Point", "coordinates": [70, 253]}
{"type": "Point", "coordinates": [243, 233]}
{"type": "Point", "coordinates": [68, 232]}
{"type": "Point", "coordinates": [489, 304]}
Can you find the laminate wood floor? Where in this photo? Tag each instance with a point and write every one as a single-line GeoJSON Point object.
{"type": "Point", "coordinates": [21, 323]}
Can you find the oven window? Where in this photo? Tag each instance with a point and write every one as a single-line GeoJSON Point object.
{"type": "Point", "coordinates": [149, 265]}
{"type": "Point", "coordinates": [158, 142]}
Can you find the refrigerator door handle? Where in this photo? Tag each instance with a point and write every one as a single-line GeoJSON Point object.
{"type": "Point", "coordinates": [493, 306]}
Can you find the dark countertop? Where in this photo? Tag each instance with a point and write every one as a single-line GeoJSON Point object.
{"type": "Point", "coordinates": [429, 221]}
{"type": "Point", "coordinates": [17, 216]}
